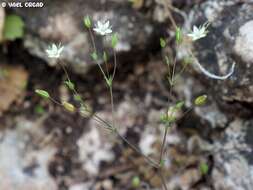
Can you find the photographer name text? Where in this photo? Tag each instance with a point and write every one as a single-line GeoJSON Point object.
{"type": "Point", "coordinates": [30, 4]}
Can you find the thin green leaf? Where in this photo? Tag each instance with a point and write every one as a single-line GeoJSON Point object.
{"type": "Point", "coordinates": [109, 81]}
{"type": "Point", "coordinates": [70, 85]}
{"type": "Point", "coordinates": [114, 40]}
{"type": "Point", "coordinates": [94, 56]}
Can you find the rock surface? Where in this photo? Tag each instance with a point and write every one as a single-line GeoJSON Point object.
{"type": "Point", "coordinates": [23, 166]}
{"type": "Point", "coordinates": [93, 151]}
{"type": "Point", "coordinates": [62, 22]}
{"type": "Point", "coordinates": [233, 157]}
{"type": "Point", "coordinates": [214, 130]}
{"type": "Point", "coordinates": [229, 40]}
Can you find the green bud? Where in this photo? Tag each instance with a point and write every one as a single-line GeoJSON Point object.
{"type": "Point", "coordinates": [84, 111]}
{"type": "Point", "coordinates": [87, 21]}
{"type": "Point", "coordinates": [94, 56]}
{"type": "Point", "coordinates": [114, 41]}
{"type": "Point", "coordinates": [68, 106]}
{"type": "Point", "coordinates": [42, 93]}
{"type": "Point", "coordinates": [162, 42]}
{"type": "Point", "coordinates": [136, 182]}
{"type": "Point", "coordinates": [77, 98]}
{"type": "Point", "coordinates": [178, 35]}
{"type": "Point", "coordinates": [200, 100]}
{"type": "Point", "coordinates": [203, 168]}
{"type": "Point", "coordinates": [70, 85]}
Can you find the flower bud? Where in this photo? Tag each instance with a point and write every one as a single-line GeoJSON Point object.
{"type": "Point", "coordinates": [42, 93]}
{"type": "Point", "coordinates": [68, 106]}
{"type": "Point", "coordinates": [200, 100]}
{"type": "Point", "coordinates": [87, 21]}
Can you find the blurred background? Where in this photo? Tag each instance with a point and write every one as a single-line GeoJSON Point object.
{"type": "Point", "coordinates": [42, 146]}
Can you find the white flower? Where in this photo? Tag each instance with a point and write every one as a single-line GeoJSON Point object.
{"type": "Point", "coordinates": [103, 28]}
{"type": "Point", "coordinates": [54, 51]}
{"type": "Point", "coordinates": [198, 33]}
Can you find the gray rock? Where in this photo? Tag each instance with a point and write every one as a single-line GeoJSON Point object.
{"type": "Point", "coordinates": [229, 40]}
{"type": "Point", "coordinates": [62, 22]}
{"type": "Point", "coordinates": [22, 165]}
{"type": "Point", "coordinates": [233, 168]}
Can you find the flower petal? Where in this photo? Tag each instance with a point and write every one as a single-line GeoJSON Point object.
{"type": "Point", "coordinates": [108, 31]}
{"type": "Point", "coordinates": [195, 29]}
{"type": "Point", "coordinates": [99, 24]}
{"type": "Point", "coordinates": [107, 24]}
{"type": "Point", "coordinates": [54, 47]}
{"type": "Point", "coordinates": [96, 30]}
{"type": "Point", "coordinates": [60, 50]}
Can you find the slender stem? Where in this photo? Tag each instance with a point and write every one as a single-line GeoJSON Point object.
{"type": "Point", "coordinates": [109, 126]}
{"type": "Point", "coordinates": [126, 141]}
{"type": "Point", "coordinates": [106, 66]}
{"type": "Point", "coordinates": [173, 70]}
{"type": "Point", "coordinates": [163, 179]}
{"type": "Point", "coordinates": [172, 20]}
{"type": "Point", "coordinates": [172, 77]}
{"type": "Point", "coordinates": [55, 101]}
{"type": "Point", "coordinates": [163, 144]}
{"type": "Point", "coordinates": [153, 163]}
{"type": "Point", "coordinates": [185, 113]}
{"type": "Point", "coordinates": [181, 71]}
{"type": "Point", "coordinates": [112, 106]}
{"type": "Point", "coordinates": [95, 50]}
{"type": "Point", "coordinates": [115, 64]}
{"type": "Point", "coordinates": [92, 41]}
{"type": "Point", "coordinates": [65, 70]}
{"type": "Point", "coordinates": [111, 91]}
{"type": "Point", "coordinates": [168, 64]}
{"type": "Point", "coordinates": [101, 119]}
{"type": "Point", "coordinates": [102, 123]}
